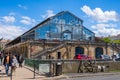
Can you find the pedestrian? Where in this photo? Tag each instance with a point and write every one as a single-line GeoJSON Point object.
{"type": "Point", "coordinates": [14, 64]}
{"type": "Point", "coordinates": [1, 58]}
{"type": "Point", "coordinates": [7, 62]}
{"type": "Point", "coordinates": [20, 60]}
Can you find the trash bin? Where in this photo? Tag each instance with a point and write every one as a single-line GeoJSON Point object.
{"type": "Point", "coordinates": [58, 65]}
{"type": "Point", "coordinates": [58, 69]}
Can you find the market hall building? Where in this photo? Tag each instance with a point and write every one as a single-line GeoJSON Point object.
{"type": "Point", "coordinates": [64, 33]}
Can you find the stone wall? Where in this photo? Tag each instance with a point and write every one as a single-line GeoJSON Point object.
{"type": "Point", "coordinates": [68, 51]}
{"type": "Point", "coordinates": [73, 67]}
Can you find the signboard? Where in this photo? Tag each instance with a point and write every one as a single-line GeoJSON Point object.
{"type": "Point", "coordinates": [44, 68]}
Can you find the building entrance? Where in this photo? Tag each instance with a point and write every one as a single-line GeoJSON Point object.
{"type": "Point", "coordinates": [79, 50]}
{"type": "Point", "coordinates": [98, 52]}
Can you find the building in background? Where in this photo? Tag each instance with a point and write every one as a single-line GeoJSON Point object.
{"type": "Point", "coordinates": [62, 32]}
{"type": "Point", "coordinates": [117, 37]}
{"type": "Point", "coordinates": [3, 43]}
{"type": "Point", "coordinates": [62, 26]}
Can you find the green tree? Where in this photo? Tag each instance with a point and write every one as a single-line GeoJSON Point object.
{"type": "Point", "coordinates": [116, 41]}
{"type": "Point", "coordinates": [107, 40]}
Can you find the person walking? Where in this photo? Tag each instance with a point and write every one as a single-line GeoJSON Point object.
{"type": "Point", "coordinates": [7, 62]}
{"type": "Point", "coordinates": [20, 60]}
{"type": "Point", "coordinates": [1, 58]}
{"type": "Point", "coordinates": [14, 64]}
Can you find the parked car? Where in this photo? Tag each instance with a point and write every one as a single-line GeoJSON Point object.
{"type": "Point", "coordinates": [82, 57]}
{"type": "Point", "coordinates": [117, 59]}
{"type": "Point", "coordinates": [105, 57]}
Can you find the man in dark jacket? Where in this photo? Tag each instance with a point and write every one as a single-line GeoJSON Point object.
{"type": "Point", "coordinates": [1, 58]}
{"type": "Point", "coordinates": [20, 60]}
{"type": "Point", "coordinates": [7, 62]}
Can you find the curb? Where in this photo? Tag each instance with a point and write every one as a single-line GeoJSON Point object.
{"type": "Point", "coordinates": [90, 75]}
{"type": "Point", "coordinates": [78, 75]}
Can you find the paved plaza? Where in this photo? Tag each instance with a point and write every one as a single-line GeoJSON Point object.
{"type": "Point", "coordinates": [20, 74]}
{"type": "Point", "coordinates": [25, 73]}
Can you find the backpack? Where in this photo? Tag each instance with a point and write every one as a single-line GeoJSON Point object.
{"type": "Point", "coordinates": [7, 59]}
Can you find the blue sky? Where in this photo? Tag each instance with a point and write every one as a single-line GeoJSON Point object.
{"type": "Point", "coordinates": [18, 16]}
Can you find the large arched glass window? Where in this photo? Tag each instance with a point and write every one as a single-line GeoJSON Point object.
{"type": "Point", "coordinates": [66, 35]}
{"type": "Point", "coordinates": [98, 52]}
{"type": "Point", "coordinates": [79, 50]}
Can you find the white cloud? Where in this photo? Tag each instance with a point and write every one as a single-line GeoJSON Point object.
{"type": "Point", "coordinates": [104, 21]}
{"type": "Point", "coordinates": [21, 6]}
{"type": "Point", "coordinates": [100, 15]}
{"type": "Point", "coordinates": [102, 26]}
{"type": "Point", "coordinates": [48, 14]}
{"type": "Point", "coordinates": [105, 29]}
{"type": "Point", "coordinates": [27, 20]}
{"type": "Point", "coordinates": [9, 19]}
{"type": "Point", "coordinates": [10, 31]}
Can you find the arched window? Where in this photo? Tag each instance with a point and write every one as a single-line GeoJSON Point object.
{"type": "Point", "coordinates": [79, 50]}
{"type": "Point", "coordinates": [98, 52]}
{"type": "Point", "coordinates": [66, 35]}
